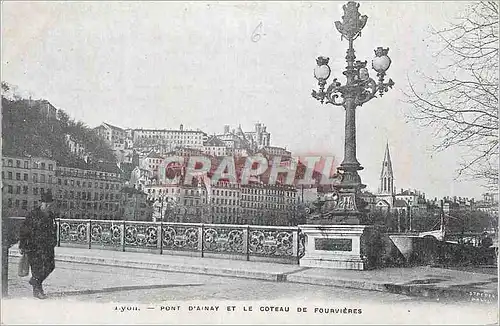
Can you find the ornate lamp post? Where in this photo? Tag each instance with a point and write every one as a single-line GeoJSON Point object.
{"type": "Point", "coordinates": [358, 89]}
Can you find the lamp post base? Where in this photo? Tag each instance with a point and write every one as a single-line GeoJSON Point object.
{"type": "Point", "coordinates": [343, 206]}
{"type": "Point", "coordinates": [352, 247]}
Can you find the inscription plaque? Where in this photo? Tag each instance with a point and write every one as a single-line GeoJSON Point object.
{"type": "Point", "coordinates": [333, 244]}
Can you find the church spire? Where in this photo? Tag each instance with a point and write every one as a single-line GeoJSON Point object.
{"type": "Point", "coordinates": [386, 174]}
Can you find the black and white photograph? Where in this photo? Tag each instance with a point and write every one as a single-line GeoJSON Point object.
{"type": "Point", "coordinates": [250, 162]}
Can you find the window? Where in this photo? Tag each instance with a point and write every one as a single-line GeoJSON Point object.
{"type": "Point", "coordinates": [59, 181]}
{"type": "Point", "coordinates": [35, 191]}
{"type": "Point", "coordinates": [18, 163]}
{"type": "Point", "coordinates": [25, 177]}
{"type": "Point", "coordinates": [18, 190]}
{"type": "Point", "coordinates": [18, 176]}
{"type": "Point", "coordinates": [9, 202]}
{"type": "Point", "coordinates": [35, 177]}
{"type": "Point", "coordinates": [51, 167]}
{"type": "Point", "coordinates": [9, 189]}
{"type": "Point", "coordinates": [42, 178]}
{"type": "Point", "coordinates": [65, 182]}
{"type": "Point", "coordinates": [25, 190]}
{"type": "Point", "coordinates": [9, 175]}
{"type": "Point", "coordinates": [9, 163]}
{"type": "Point", "coordinates": [17, 203]}
{"type": "Point", "coordinates": [25, 164]}
{"type": "Point", "coordinates": [25, 204]}
{"type": "Point", "coordinates": [43, 166]}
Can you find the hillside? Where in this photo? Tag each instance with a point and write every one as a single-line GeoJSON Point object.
{"type": "Point", "coordinates": [27, 130]}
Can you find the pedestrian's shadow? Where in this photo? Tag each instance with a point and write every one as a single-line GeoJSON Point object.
{"type": "Point", "coordinates": [117, 289]}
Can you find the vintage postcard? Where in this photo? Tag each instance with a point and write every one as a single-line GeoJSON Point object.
{"type": "Point", "coordinates": [249, 162]}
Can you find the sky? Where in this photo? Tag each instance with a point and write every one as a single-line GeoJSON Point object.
{"type": "Point", "coordinates": [207, 64]}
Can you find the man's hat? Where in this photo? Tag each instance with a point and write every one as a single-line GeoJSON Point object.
{"type": "Point", "coordinates": [47, 197]}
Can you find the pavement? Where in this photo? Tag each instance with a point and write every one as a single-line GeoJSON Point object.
{"type": "Point", "coordinates": [420, 281]}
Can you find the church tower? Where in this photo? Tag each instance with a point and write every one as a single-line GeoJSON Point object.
{"type": "Point", "coordinates": [386, 175]}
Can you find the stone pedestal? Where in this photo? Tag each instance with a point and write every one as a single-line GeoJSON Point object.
{"type": "Point", "coordinates": [340, 246]}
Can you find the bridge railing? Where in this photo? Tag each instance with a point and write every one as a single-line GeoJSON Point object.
{"type": "Point", "coordinates": [247, 242]}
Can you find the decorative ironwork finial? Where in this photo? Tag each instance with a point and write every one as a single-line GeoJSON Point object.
{"type": "Point", "coordinates": [380, 51]}
{"type": "Point", "coordinates": [320, 61]}
{"type": "Point", "coordinates": [352, 21]}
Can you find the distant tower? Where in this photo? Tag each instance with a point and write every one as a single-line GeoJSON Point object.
{"type": "Point", "coordinates": [386, 175]}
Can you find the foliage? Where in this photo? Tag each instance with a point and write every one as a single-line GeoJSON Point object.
{"type": "Point", "coordinates": [26, 131]}
{"type": "Point", "coordinates": [460, 100]}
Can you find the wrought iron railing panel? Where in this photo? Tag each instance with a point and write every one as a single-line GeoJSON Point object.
{"type": "Point", "coordinates": [245, 240]}
{"type": "Point", "coordinates": [106, 233]}
{"type": "Point", "coordinates": [270, 242]}
{"type": "Point", "coordinates": [141, 235]}
{"type": "Point", "coordinates": [177, 236]}
{"type": "Point", "coordinates": [73, 231]}
{"type": "Point", "coordinates": [224, 239]}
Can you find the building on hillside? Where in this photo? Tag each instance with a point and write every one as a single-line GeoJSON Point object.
{"type": "Point", "coordinates": [24, 180]}
{"type": "Point", "coordinates": [186, 152]}
{"type": "Point", "coordinates": [154, 162]}
{"type": "Point", "coordinates": [216, 147]}
{"type": "Point", "coordinates": [75, 147]}
{"type": "Point", "coordinates": [277, 151]}
{"type": "Point", "coordinates": [140, 178]}
{"type": "Point", "coordinates": [112, 134]}
{"type": "Point", "coordinates": [46, 109]}
{"type": "Point", "coordinates": [254, 140]}
{"type": "Point", "coordinates": [174, 138]}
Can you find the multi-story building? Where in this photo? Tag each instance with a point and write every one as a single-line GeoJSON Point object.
{"type": "Point", "coordinates": [224, 202]}
{"type": "Point", "coordinates": [153, 162]}
{"type": "Point", "coordinates": [489, 204]}
{"type": "Point", "coordinates": [256, 139]}
{"type": "Point", "coordinates": [267, 204]}
{"type": "Point", "coordinates": [413, 198]}
{"type": "Point", "coordinates": [175, 138]}
{"type": "Point", "coordinates": [24, 179]}
{"type": "Point", "coordinates": [260, 135]}
{"type": "Point", "coordinates": [46, 109]}
{"type": "Point", "coordinates": [277, 151]}
{"type": "Point", "coordinates": [112, 134]}
{"type": "Point", "coordinates": [216, 147]}
{"type": "Point", "coordinates": [89, 190]}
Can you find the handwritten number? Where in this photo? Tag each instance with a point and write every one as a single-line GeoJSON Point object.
{"type": "Point", "coordinates": [257, 33]}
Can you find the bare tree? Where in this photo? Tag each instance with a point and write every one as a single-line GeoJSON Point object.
{"type": "Point", "coordinates": [460, 100]}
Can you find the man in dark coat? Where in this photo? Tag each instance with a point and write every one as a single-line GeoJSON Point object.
{"type": "Point", "coordinates": [37, 238]}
